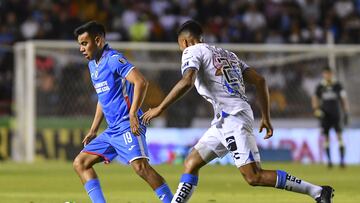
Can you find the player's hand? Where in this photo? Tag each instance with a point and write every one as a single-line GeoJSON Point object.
{"type": "Point", "coordinates": [265, 123]}
{"type": "Point", "coordinates": [134, 124]}
{"type": "Point", "coordinates": [150, 114]}
{"type": "Point", "coordinates": [318, 113]}
{"type": "Point", "coordinates": [89, 136]}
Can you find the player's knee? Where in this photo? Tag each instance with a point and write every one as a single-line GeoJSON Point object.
{"type": "Point", "coordinates": [142, 169]}
{"type": "Point", "coordinates": [78, 164]}
{"type": "Point", "coordinates": [191, 165]}
{"type": "Point", "coordinates": [253, 180]}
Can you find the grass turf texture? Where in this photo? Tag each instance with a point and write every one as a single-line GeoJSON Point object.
{"type": "Point", "coordinates": [52, 182]}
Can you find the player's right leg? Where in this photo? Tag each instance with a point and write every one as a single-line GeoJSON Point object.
{"type": "Point", "coordinates": [96, 151]}
{"type": "Point", "coordinates": [325, 129]}
{"type": "Point", "coordinates": [207, 148]}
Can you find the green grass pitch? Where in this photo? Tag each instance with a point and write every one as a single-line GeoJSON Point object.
{"type": "Point", "coordinates": [56, 182]}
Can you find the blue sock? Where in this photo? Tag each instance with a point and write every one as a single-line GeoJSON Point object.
{"type": "Point", "coordinates": [164, 193]}
{"type": "Point", "coordinates": [93, 189]}
{"type": "Point", "coordinates": [281, 179]}
{"type": "Point", "coordinates": [189, 178]}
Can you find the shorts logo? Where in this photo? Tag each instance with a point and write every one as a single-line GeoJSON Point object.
{"type": "Point", "coordinates": [231, 144]}
{"type": "Point", "coordinates": [132, 147]}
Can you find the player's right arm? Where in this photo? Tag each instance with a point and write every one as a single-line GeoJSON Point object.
{"type": "Point", "coordinates": [252, 77]}
{"type": "Point", "coordinates": [190, 64]}
{"type": "Point", "coordinates": [99, 115]}
{"type": "Point", "coordinates": [315, 102]}
{"type": "Point", "coordinates": [179, 90]}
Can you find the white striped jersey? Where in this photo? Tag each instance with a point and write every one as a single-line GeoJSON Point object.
{"type": "Point", "coordinates": [219, 78]}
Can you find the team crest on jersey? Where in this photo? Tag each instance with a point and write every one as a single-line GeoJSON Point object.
{"type": "Point", "coordinates": [122, 60]}
{"type": "Point", "coordinates": [95, 74]}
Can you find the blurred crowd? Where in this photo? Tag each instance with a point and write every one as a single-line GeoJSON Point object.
{"type": "Point", "coordinates": [225, 21]}
{"type": "Point", "coordinates": [228, 21]}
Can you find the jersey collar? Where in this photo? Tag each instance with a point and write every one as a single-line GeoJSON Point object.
{"type": "Point", "coordinates": [104, 52]}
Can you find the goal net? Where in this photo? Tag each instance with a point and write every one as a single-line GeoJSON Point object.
{"type": "Point", "coordinates": [53, 87]}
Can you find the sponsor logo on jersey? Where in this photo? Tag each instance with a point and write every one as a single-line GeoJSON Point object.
{"type": "Point", "coordinates": [101, 87]}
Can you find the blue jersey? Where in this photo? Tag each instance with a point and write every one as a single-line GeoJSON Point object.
{"type": "Point", "coordinates": [114, 92]}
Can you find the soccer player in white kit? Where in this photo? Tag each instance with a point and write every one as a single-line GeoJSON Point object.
{"type": "Point", "coordinates": [219, 77]}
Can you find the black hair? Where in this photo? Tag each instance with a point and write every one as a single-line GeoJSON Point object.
{"type": "Point", "coordinates": [93, 28]}
{"type": "Point", "coordinates": [191, 26]}
{"type": "Point", "coordinates": [328, 69]}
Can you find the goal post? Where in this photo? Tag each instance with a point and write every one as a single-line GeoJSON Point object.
{"type": "Point", "coordinates": [51, 81]}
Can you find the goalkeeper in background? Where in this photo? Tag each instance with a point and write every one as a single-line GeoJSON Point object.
{"type": "Point", "coordinates": [331, 107]}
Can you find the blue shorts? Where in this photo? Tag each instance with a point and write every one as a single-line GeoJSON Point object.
{"type": "Point", "coordinates": [119, 141]}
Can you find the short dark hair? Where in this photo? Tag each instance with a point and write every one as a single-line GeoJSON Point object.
{"type": "Point", "coordinates": [327, 69]}
{"type": "Point", "coordinates": [191, 26]}
{"type": "Point", "coordinates": [93, 28]}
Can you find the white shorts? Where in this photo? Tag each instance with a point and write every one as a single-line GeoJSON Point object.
{"type": "Point", "coordinates": [233, 134]}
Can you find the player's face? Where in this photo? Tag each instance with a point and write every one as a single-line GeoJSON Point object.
{"type": "Point", "coordinates": [88, 45]}
{"type": "Point", "coordinates": [327, 75]}
{"type": "Point", "coordinates": [182, 42]}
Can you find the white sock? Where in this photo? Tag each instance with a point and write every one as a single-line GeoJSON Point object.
{"type": "Point", "coordinates": [187, 185]}
{"type": "Point", "coordinates": [183, 193]}
{"type": "Point", "coordinates": [291, 183]}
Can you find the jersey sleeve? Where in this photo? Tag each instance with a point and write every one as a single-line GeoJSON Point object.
{"type": "Point", "coordinates": [191, 58]}
{"type": "Point", "coordinates": [241, 64]}
{"type": "Point", "coordinates": [119, 64]}
{"type": "Point", "coordinates": [340, 90]}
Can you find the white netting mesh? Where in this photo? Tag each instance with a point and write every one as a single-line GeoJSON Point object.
{"type": "Point", "coordinates": [63, 87]}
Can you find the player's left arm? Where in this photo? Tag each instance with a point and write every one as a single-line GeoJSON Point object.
{"type": "Point", "coordinates": [179, 90]}
{"type": "Point", "coordinates": [344, 104]}
{"type": "Point", "coordinates": [140, 88]}
{"type": "Point", "coordinates": [252, 77]}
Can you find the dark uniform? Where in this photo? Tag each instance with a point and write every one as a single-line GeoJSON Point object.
{"type": "Point", "coordinates": [330, 105]}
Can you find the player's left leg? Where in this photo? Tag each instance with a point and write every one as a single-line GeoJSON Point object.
{"type": "Point", "coordinates": [242, 145]}
{"type": "Point", "coordinates": [133, 149]}
{"type": "Point", "coordinates": [142, 167]}
{"type": "Point", "coordinates": [341, 149]}
{"type": "Point", "coordinates": [256, 176]}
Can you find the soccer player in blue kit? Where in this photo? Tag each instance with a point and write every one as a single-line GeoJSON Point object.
{"type": "Point", "coordinates": [121, 89]}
